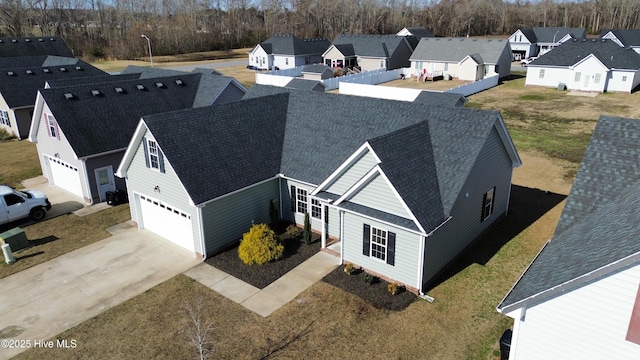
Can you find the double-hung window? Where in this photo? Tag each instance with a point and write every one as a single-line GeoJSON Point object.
{"type": "Point", "coordinates": [487, 203]}
{"type": "Point", "coordinates": [4, 118]}
{"type": "Point", "coordinates": [154, 160]}
{"type": "Point", "coordinates": [316, 209]}
{"type": "Point", "coordinates": [379, 243]}
{"type": "Point", "coordinates": [298, 200]}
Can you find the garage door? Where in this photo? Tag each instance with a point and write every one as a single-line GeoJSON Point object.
{"type": "Point", "coordinates": [65, 176]}
{"type": "Point", "coordinates": [166, 221]}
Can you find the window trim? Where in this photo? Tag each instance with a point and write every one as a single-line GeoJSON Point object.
{"type": "Point", "coordinates": [153, 153]}
{"type": "Point", "coordinates": [488, 199]}
{"type": "Point", "coordinates": [316, 209]}
{"type": "Point", "coordinates": [367, 244]}
{"type": "Point", "coordinates": [4, 118]}
{"type": "Point", "coordinates": [52, 127]}
{"type": "Point", "coordinates": [301, 200]}
{"type": "Point", "coordinates": [576, 76]}
{"type": "Point", "coordinates": [378, 244]}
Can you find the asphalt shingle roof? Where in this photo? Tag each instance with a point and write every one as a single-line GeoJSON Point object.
{"type": "Point", "coordinates": [19, 86]}
{"type": "Point", "coordinates": [628, 37]}
{"type": "Point", "coordinates": [97, 124]}
{"type": "Point", "coordinates": [33, 61]}
{"type": "Point", "coordinates": [432, 98]}
{"type": "Point", "coordinates": [456, 49]}
{"type": "Point", "coordinates": [291, 45]}
{"type": "Point", "coordinates": [380, 46]}
{"type": "Point", "coordinates": [305, 84]}
{"type": "Point", "coordinates": [607, 51]}
{"type": "Point", "coordinates": [600, 222]}
{"type": "Point", "coordinates": [92, 80]}
{"type": "Point", "coordinates": [33, 46]}
{"type": "Point", "coordinates": [320, 132]}
{"type": "Point", "coordinates": [549, 34]}
{"type": "Point", "coordinates": [149, 72]}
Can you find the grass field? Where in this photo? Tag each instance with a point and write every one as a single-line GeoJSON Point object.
{"type": "Point", "coordinates": [551, 131]}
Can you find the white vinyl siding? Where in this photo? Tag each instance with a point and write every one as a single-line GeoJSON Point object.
{"type": "Point", "coordinates": [352, 174]}
{"type": "Point", "coordinates": [377, 194]}
{"type": "Point", "coordinates": [590, 322]}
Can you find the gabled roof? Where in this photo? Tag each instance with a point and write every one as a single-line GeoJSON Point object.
{"type": "Point", "coordinates": [607, 51]}
{"type": "Point", "coordinates": [33, 61]}
{"type": "Point", "coordinates": [150, 72]}
{"type": "Point", "coordinates": [380, 46]}
{"type": "Point", "coordinates": [433, 98]}
{"type": "Point", "coordinates": [91, 80]}
{"type": "Point", "coordinates": [95, 124]}
{"type": "Point", "coordinates": [207, 71]}
{"type": "Point", "coordinates": [19, 86]}
{"type": "Point", "coordinates": [331, 127]}
{"type": "Point", "coordinates": [305, 84]}
{"type": "Point", "coordinates": [291, 45]}
{"type": "Point", "coordinates": [628, 37]}
{"type": "Point", "coordinates": [456, 49]}
{"type": "Point", "coordinates": [419, 32]}
{"type": "Point", "coordinates": [33, 46]}
{"type": "Point", "coordinates": [549, 34]}
{"type": "Point", "coordinates": [316, 68]}
{"type": "Point", "coordinates": [599, 227]}
{"type": "Point", "coordinates": [211, 86]}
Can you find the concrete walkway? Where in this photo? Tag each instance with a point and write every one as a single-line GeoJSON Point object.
{"type": "Point", "coordinates": [275, 295]}
{"type": "Point", "coordinates": [47, 299]}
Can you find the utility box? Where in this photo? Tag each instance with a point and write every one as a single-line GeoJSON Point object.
{"type": "Point", "coordinates": [562, 86]}
{"type": "Point", "coordinates": [16, 238]}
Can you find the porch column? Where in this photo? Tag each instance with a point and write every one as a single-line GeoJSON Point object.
{"type": "Point", "coordinates": [323, 243]}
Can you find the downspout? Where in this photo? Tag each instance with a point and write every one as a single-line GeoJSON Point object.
{"type": "Point", "coordinates": [202, 242]}
{"type": "Point", "coordinates": [421, 271]}
{"type": "Point", "coordinates": [86, 180]}
{"type": "Point", "coordinates": [342, 237]}
{"type": "Point", "coordinates": [323, 241]}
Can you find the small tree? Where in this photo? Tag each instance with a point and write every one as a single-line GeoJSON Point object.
{"type": "Point", "coordinates": [199, 329]}
{"type": "Point", "coordinates": [307, 229]}
{"type": "Point", "coordinates": [260, 245]}
{"type": "Point", "coordinates": [274, 215]}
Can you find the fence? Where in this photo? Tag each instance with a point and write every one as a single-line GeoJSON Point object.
{"type": "Point", "coordinates": [475, 87]}
{"type": "Point", "coordinates": [379, 92]}
{"type": "Point", "coordinates": [282, 77]}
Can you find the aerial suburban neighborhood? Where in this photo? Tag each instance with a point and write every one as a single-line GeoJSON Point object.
{"type": "Point", "coordinates": [294, 185]}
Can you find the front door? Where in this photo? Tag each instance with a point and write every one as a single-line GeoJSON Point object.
{"type": "Point", "coordinates": [105, 181]}
{"type": "Point", "coordinates": [586, 81]}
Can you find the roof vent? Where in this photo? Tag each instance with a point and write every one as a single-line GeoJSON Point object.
{"type": "Point", "coordinates": [79, 68]}
{"type": "Point", "coordinates": [1, 41]}
{"type": "Point", "coordinates": [141, 87]}
{"type": "Point", "coordinates": [96, 93]}
{"type": "Point", "coordinates": [179, 82]}
{"type": "Point", "coordinates": [45, 70]}
{"type": "Point", "coordinates": [40, 40]}
{"type": "Point", "coordinates": [11, 73]}
{"type": "Point", "coordinates": [69, 96]}
{"type": "Point", "coordinates": [160, 85]}
{"type": "Point", "coordinates": [52, 39]}
{"type": "Point", "coordinates": [14, 41]}
{"type": "Point", "coordinates": [63, 69]}
{"type": "Point", "coordinates": [120, 90]}
{"type": "Point", "coordinates": [29, 72]}
{"type": "Point", "coordinates": [27, 40]}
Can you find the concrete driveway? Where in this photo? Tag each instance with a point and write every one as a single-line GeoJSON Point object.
{"type": "Point", "coordinates": [42, 301]}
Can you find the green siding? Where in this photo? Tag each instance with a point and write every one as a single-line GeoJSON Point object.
{"type": "Point", "coordinates": [377, 194]}
{"type": "Point", "coordinates": [492, 168]}
{"type": "Point", "coordinates": [407, 255]}
{"type": "Point", "coordinates": [352, 174]}
{"type": "Point", "coordinates": [225, 220]}
{"type": "Point", "coordinates": [99, 162]}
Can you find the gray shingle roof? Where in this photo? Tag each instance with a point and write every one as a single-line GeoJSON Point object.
{"type": "Point", "coordinates": [419, 32]}
{"type": "Point", "coordinates": [548, 34]}
{"type": "Point", "coordinates": [628, 37]}
{"type": "Point", "coordinates": [97, 124]}
{"type": "Point", "coordinates": [305, 84]}
{"type": "Point", "coordinates": [456, 49]}
{"type": "Point", "coordinates": [331, 127]}
{"type": "Point", "coordinates": [607, 51]}
{"type": "Point", "coordinates": [291, 45]}
{"type": "Point", "coordinates": [149, 72]}
{"type": "Point", "coordinates": [380, 46]}
{"type": "Point", "coordinates": [207, 71]}
{"type": "Point", "coordinates": [33, 61]}
{"type": "Point", "coordinates": [19, 86]}
{"type": "Point", "coordinates": [316, 68]}
{"type": "Point", "coordinates": [33, 46]}
{"type": "Point", "coordinates": [600, 222]}
{"type": "Point", "coordinates": [433, 98]}
{"type": "Point", "coordinates": [91, 80]}
{"type": "Point", "coordinates": [211, 86]}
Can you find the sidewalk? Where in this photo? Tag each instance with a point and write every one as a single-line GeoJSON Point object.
{"type": "Point", "coordinates": [275, 295]}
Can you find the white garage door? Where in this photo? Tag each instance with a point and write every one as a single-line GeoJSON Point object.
{"type": "Point", "coordinates": [65, 176]}
{"type": "Point", "coordinates": [166, 221]}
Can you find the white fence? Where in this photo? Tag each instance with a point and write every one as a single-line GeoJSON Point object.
{"type": "Point", "coordinates": [379, 92]}
{"type": "Point", "coordinates": [282, 77]}
{"type": "Point", "coordinates": [475, 87]}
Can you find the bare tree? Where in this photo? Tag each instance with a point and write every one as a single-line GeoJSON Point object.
{"type": "Point", "coordinates": [199, 329]}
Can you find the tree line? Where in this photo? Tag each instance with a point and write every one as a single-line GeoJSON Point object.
{"type": "Point", "coordinates": [113, 28]}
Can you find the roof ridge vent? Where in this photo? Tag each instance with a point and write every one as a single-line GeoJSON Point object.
{"type": "Point", "coordinates": [11, 73]}
{"type": "Point", "coordinates": [120, 90]}
{"type": "Point", "coordinates": [180, 82]}
{"type": "Point", "coordinates": [69, 96]}
{"type": "Point", "coordinates": [160, 85]}
{"type": "Point", "coordinates": [63, 69]}
{"type": "Point", "coordinates": [29, 72]}
{"type": "Point", "coordinates": [141, 87]}
{"type": "Point", "coordinates": [45, 70]}
{"type": "Point", "coordinates": [96, 93]}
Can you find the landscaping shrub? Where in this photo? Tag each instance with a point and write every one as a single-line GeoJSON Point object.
{"type": "Point", "coordinates": [260, 245]}
{"type": "Point", "coordinates": [349, 269]}
{"type": "Point", "coordinates": [307, 229]}
{"type": "Point", "coordinates": [4, 135]}
{"type": "Point", "coordinates": [393, 288]}
{"type": "Point", "coordinates": [293, 231]}
{"type": "Point", "coordinates": [368, 278]}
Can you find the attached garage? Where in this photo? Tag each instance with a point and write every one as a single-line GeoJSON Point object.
{"type": "Point", "coordinates": [166, 221]}
{"type": "Point", "coordinates": [64, 175]}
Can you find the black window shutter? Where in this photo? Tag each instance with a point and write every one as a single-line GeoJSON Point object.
{"type": "Point", "coordinates": [293, 198]}
{"type": "Point", "coordinates": [326, 214]}
{"type": "Point", "coordinates": [391, 248]}
{"type": "Point", "coordinates": [161, 160]}
{"type": "Point", "coordinates": [146, 151]}
{"type": "Point", "coordinates": [366, 238]}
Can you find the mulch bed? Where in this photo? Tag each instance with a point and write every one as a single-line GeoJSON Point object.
{"type": "Point", "coordinates": [295, 253]}
{"type": "Point", "coordinates": [375, 293]}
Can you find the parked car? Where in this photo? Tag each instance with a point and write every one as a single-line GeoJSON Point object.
{"type": "Point", "coordinates": [526, 62]}
{"type": "Point", "coordinates": [15, 205]}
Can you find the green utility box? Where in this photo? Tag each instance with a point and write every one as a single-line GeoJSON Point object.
{"type": "Point", "coordinates": [16, 238]}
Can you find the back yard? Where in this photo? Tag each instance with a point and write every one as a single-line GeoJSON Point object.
{"type": "Point", "coordinates": [551, 131]}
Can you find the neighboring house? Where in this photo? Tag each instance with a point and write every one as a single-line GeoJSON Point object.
{"type": "Point", "coordinates": [580, 297]}
{"type": "Point", "coordinates": [414, 34]}
{"type": "Point", "coordinates": [624, 37]}
{"type": "Point", "coordinates": [317, 72]}
{"type": "Point", "coordinates": [529, 42]}
{"type": "Point", "coordinates": [587, 65]}
{"type": "Point", "coordinates": [33, 46]}
{"type": "Point", "coordinates": [368, 52]}
{"type": "Point", "coordinates": [304, 84]}
{"type": "Point", "coordinates": [19, 86]}
{"type": "Point", "coordinates": [286, 52]}
{"type": "Point", "coordinates": [81, 131]}
{"type": "Point", "coordinates": [463, 58]}
{"type": "Point", "coordinates": [207, 71]}
{"type": "Point", "coordinates": [401, 188]}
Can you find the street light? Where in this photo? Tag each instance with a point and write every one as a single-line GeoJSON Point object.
{"type": "Point", "coordinates": [149, 43]}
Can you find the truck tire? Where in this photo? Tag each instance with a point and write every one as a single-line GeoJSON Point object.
{"type": "Point", "coordinates": [37, 213]}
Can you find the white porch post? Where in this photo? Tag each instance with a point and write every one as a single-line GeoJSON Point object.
{"type": "Point", "coordinates": [324, 225]}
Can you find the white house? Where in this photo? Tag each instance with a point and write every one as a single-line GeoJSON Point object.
{"type": "Point", "coordinates": [587, 65]}
{"type": "Point", "coordinates": [580, 297]}
{"type": "Point", "coordinates": [536, 41]}
{"type": "Point", "coordinates": [286, 52]}
{"type": "Point", "coordinates": [624, 37]}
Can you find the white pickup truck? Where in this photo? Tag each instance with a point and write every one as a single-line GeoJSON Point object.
{"type": "Point", "coordinates": [16, 204]}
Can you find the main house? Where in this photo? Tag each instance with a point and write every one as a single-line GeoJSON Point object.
{"type": "Point", "coordinates": [286, 52]}
{"type": "Point", "coordinates": [82, 131]}
{"type": "Point", "coordinates": [587, 65]}
{"type": "Point", "coordinates": [580, 297]}
{"type": "Point", "coordinates": [462, 58]}
{"type": "Point", "coordinates": [529, 42]}
{"type": "Point", "coordinates": [369, 52]}
{"type": "Point", "coordinates": [624, 37]}
{"type": "Point", "coordinates": [20, 79]}
{"type": "Point", "coordinates": [33, 46]}
{"type": "Point", "coordinates": [402, 188]}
